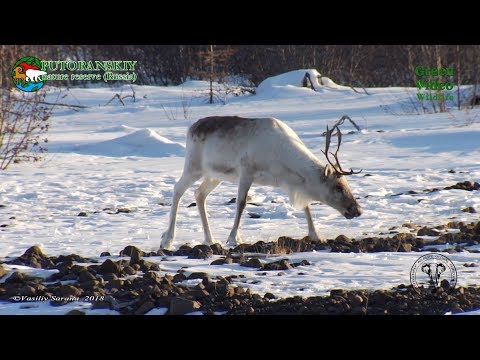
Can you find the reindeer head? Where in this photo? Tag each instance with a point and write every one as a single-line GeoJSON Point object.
{"type": "Point", "coordinates": [339, 195]}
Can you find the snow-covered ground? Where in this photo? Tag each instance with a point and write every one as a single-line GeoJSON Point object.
{"type": "Point", "coordinates": [114, 156]}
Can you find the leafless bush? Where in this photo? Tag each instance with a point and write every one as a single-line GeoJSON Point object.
{"type": "Point", "coordinates": [23, 127]}
{"type": "Point", "coordinates": [23, 116]}
{"type": "Point", "coordinates": [173, 112]}
{"type": "Point", "coordinates": [121, 98]}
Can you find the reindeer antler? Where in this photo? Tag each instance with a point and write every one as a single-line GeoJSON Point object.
{"type": "Point", "coordinates": [336, 166]}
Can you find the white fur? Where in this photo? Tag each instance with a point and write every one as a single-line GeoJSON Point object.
{"type": "Point", "coordinates": [263, 151]}
{"type": "Point", "coordinates": [34, 75]}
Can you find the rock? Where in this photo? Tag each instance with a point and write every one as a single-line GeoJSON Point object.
{"type": "Point", "coordinates": [218, 250]}
{"type": "Point", "coordinates": [152, 277]}
{"type": "Point", "coordinates": [77, 269]}
{"type": "Point", "coordinates": [443, 239]}
{"type": "Point", "coordinates": [232, 200]}
{"type": "Point", "coordinates": [254, 215]}
{"type": "Point", "coordinates": [68, 290]}
{"type": "Point", "coordinates": [278, 265]}
{"type": "Point", "coordinates": [456, 308]}
{"type": "Point", "coordinates": [338, 292]}
{"type": "Point", "coordinates": [89, 285]}
{"type": "Point", "coordinates": [34, 257]}
{"type": "Point", "coordinates": [184, 250]}
{"type": "Point", "coordinates": [200, 252]}
{"type": "Point", "coordinates": [198, 275]}
{"type": "Point", "coordinates": [123, 210]}
{"type": "Point", "coordinates": [27, 290]}
{"type": "Point", "coordinates": [114, 284]}
{"type": "Point", "coordinates": [342, 239]}
{"type": "Point", "coordinates": [109, 266]}
{"type": "Point", "coordinates": [444, 284]}
{"type": "Point", "coordinates": [110, 277]}
{"type": "Point", "coordinates": [19, 277]}
{"type": "Point", "coordinates": [85, 275]}
{"type": "Point", "coordinates": [82, 213]}
{"type": "Point", "coordinates": [470, 265]}
{"type": "Point", "coordinates": [3, 272]}
{"type": "Point", "coordinates": [108, 302]}
{"type": "Point", "coordinates": [75, 312]}
{"type": "Point", "coordinates": [404, 247]}
{"type": "Point", "coordinates": [182, 306]}
{"type": "Point", "coordinates": [239, 260]}
{"type": "Point", "coordinates": [476, 228]}
{"type": "Point", "coordinates": [147, 266]}
{"type": "Point", "coordinates": [355, 299]}
{"type": "Point", "coordinates": [105, 253]}
{"type": "Point", "coordinates": [340, 246]}
{"type": "Point", "coordinates": [71, 258]}
{"type": "Point", "coordinates": [427, 232]}
{"type": "Point", "coordinates": [269, 296]}
{"type": "Point", "coordinates": [253, 263]}
{"type": "Point", "coordinates": [466, 185]}
{"type": "Point", "coordinates": [145, 307]}
{"type": "Point", "coordinates": [404, 237]}
{"type": "Point", "coordinates": [129, 270]}
{"type": "Point", "coordinates": [34, 251]}
{"type": "Point", "coordinates": [199, 294]}
{"type": "Point", "coordinates": [220, 261]}
{"type": "Point", "coordinates": [470, 210]}
{"type": "Point", "coordinates": [134, 252]}
{"type": "Point", "coordinates": [239, 290]}
{"type": "Point", "coordinates": [179, 278]}
{"type": "Point", "coordinates": [302, 263]}
{"type": "Point", "coordinates": [193, 204]}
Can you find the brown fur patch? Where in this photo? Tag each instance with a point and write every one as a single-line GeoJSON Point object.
{"type": "Point", "coordinates": [217, 124]}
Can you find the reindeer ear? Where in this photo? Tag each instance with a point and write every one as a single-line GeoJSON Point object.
{"type": "Point", "coordinates": [329, 170]}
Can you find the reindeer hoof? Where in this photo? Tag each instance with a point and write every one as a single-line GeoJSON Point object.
{"type": "Point", "coordinates": [166, 242]}
{"type": "Point", "coordinates": [232, 242]}
{"type": "Point", "coordinates": [314, 237]}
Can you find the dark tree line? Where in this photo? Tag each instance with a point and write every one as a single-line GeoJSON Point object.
{"type": "Point", "coordinates": [355, 65]}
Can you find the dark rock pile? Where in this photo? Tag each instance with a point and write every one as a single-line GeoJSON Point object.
{"type": "Point", "coordinates": [401, 300]}
{"type": "Point", "coordinates": [133, 285]}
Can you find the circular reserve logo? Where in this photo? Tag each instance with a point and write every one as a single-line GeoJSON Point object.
{"type": "Point", "coordinates": [433, 276]}
{"type": "Point", "coordinates": [26, 74]}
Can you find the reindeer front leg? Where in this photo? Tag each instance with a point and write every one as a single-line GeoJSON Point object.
{"type": "Point", "coordinates": [181, 186]}
{"type": "Point", "coordinates": [243, 187]}
{"type": "Point", "coordinates": [312, 232]}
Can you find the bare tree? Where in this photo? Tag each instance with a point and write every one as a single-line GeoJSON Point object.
{"type": "Point", "coordinates": [23, 118]}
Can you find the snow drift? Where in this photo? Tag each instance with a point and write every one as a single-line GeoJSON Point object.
{"type": "Point", "coordinates": [144, 142]}
{"type": "Point", "coordinates": [293, 82]}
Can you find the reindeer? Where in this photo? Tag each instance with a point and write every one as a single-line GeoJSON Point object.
{"type": "Point", "coordinates": [264, 151]}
